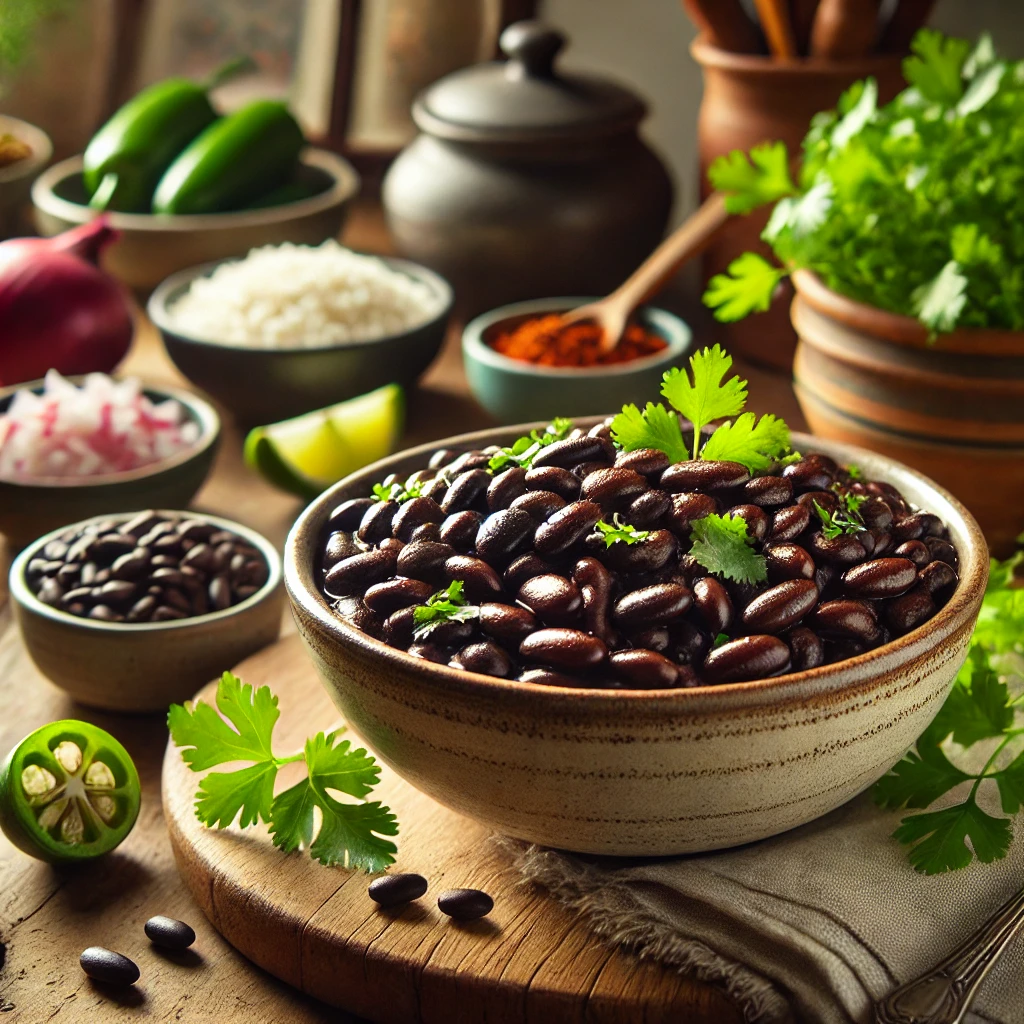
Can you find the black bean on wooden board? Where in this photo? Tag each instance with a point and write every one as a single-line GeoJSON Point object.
{"type": "Point", "coordinates": [169, 933]}
{"type": "Point", "coordinates": [465, 904]}
{"type": "Point", "coordinates": [109, 967]}
{"type": "Point", "coordinates": [393, 890]}
{"type": "Point", "coordinates": [555, 600]}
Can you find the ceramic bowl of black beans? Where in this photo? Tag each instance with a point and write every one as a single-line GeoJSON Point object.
{"type": "Point", "coordinates": [558, 651]}
{"type": "Point", "coordinates": [134, 612]}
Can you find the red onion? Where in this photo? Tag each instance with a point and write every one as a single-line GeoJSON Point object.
{"type": "Point", "coordinates": [58, 309]}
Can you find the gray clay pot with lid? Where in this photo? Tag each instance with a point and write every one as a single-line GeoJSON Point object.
{"type": "Point", "coordinates": [525, 181]}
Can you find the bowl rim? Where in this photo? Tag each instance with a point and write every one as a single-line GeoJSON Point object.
{"type": "Point", "coordinates": [22, 593]}
{"type": "Point", "coordinates": [825, 682]}
{"type": "Point", "coordinates": [345, 187]}
{"type": "Point", "coordinates": [200, 410]}
{"type": "Point", "coordinates": [159, 311]}
{"type": "Point", "coordinates": [678, 337]}
{"type": "Point", "coordinates": [42, 149]}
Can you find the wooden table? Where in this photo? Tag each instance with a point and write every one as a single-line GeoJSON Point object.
{"type": "Point", "coordinates": [48, 915]}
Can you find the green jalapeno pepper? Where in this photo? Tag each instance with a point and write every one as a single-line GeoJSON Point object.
{"type": "Point", "coordinates": [68, 792]}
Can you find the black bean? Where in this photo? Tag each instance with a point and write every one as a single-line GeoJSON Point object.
{"type": "Point", "coordinates": [566, 526]}
{"type": "Point", "coordinates": [755, 517]}
{"type": "Point", "coordinates": [648, 509]}
{"type": "Point", "coordinates": [502, 535]}
{"type": "Point", "coordinates": [916, 551]}
{"type": "Point", "coordinates": [910, 527]}
{"type": "Point", "coordinates": [806, 648]}
{"type": "Point", "coordinates": [713, 604]}
{"type": "Point", "coordinates": [749, 657]}
{"type": "Point", "coordinates": [393, 890]}
{"type": "Point", "coordinates": [469, 461]}
{"type": "Point", "coordinates": [424, 560]}
{"type": "Point", "coordinates": [644, 670]}
{"type": "Point", "coordinates": [595, 583]}
{"type": "Point", "coordinates": [941, 549]}
{"type": "Point", "coordinates": [465, 904]}
{"type": "Point", "coordinates": [141, 524]}
{"type": "Point", "coordinates": [649, 462]}
{"type": "Point", "coordinates": [350, 576]}
{"type": "Point", "coordinates": [768, 491]}
{"type": "Point", "coordinates": [505, 488]}
{"type": "Point", "coordinates": [910, 610]}
{"type": "Point", "coordinates": [876, 514]}
{"type": "Point", "coordinates": [50, 592]}
{"type": "Point", "coordinates": [564, 648]}
{"type": "Point", "coordinates": [442, 457]}
{"type": "Point", "coordinates": [555, 600]}
{"type": "Point", "coordinates": [523, 568]}
{"type": "Point", "coordinates": [548, 677]}
{"type": "Point", "coordinates": [109, 967]}
{"type": "Point", "coordinates": [654, 605]}
{"type": "Point", "coordinates": [689, 644]}
{"type": "Point", "coordinates": [584, 469]}
{"type": "Point", "coordinates": [481, 582]}
{"type": "Point", "coordinates": [647, 555]}
{"type": "Point", "coordinates": [846, 619]}
{"type": "Point", "coordinates": [105, 613]}
{"type": "Point", "coordinates": [506, 622]}
{"type": "Point", "coordinates": [426, 531]}
{"type": "Point", "coordinates": [881, 577]}
{"type": "Point", "coordinates": [939, 579]}
{"type": "Point", "coordinates": [788, 562]}
{"type": "Point", "coordinates": [169, 933]}
{"type": "Point", "coordinates": [613, 488]}
{"type": "Point", "coordinates": [117, 592]}
{"type": "Point", "coordinates": [687, 508]}
{"type": "Point", "coordinates": [111, 545]}
{"type": "Point", "coordinates": [377, 522]}
{"type": "Point", "coordinates": [486, 658]}
{"type": "Point", "coordinates": [468, 490]}
{"type": "Point", "coordinates": [429, 652]}
{"type": "Point", "coordinates": [808, 475]}
{"type": "Point", "coordinates": [842, 550]}
{"type": "Point", "coordinates": [539, 504]}
{"type": "Point", "coordinates": [397, 628]}
{"type": "Point", "coordinates": [572, 451]}
{"type": "Point", "coordinates": [391, 595]}
{"type": "Point", "coordinates": [142, 609]}
{"type": "Point", "coordinates": [703, 475]}
{"type": "Point", "coordinates": [459, 530]}
{"type": "Point", "coordinates": [349, 514]}
{"type": "Point", "coordinates": [789, 522]}
{"type": "Point", "coordinates": [556, 479]}
{"type": "Point", "coordinates": [415, 513]}
{"type": "Point", "coordinates": [781, 606]}
{"type": "Point", "coordinates": [657, 639]}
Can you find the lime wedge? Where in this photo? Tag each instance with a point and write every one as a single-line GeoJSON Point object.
{"type": "Point", "coordinates": [307, 454]}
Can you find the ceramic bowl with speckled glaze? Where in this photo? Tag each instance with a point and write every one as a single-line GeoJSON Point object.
{"type": "Point", "coordinates": [628, 772]}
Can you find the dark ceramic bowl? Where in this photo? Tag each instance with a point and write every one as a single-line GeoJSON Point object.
{"type": "Point", "coordinates": [260, 385]}
{"type": "Point", "coordinates": [28, 510]}
{"type": "Point", "coordinates": [513, 391]}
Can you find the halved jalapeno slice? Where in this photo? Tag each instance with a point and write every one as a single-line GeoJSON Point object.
{"type": "Point", "coordinates": [68, 792]}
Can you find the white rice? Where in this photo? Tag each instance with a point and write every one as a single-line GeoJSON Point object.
{"type": "Point", "coordinates": [298, 296]}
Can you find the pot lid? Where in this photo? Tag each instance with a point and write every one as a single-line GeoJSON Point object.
{"type": "Point", "coordinates": [524, 99]}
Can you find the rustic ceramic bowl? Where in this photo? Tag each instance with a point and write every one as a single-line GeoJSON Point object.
{"type": "Point", "coordinates": [952, 406]}
{"type": "Point", "coordinates": [514, 391]}
{"type": "Point", "coordinates": [16, 179]}
{"type": "Point", "coordinates": [145, 666]}
{"type": "Point", "coordinates": [152, 247]}
{"type": "Point", "coordinates": [631, 772]}
{"type": "Point", "coordinates": [30, 509]}
{"type": "Point", "coordinates": [265, 385]}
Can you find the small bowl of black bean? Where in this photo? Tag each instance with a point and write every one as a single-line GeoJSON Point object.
{"type": "Point", "coordinates": [610, 651]}
{"type": "Point", "coordinates": [134, 612]}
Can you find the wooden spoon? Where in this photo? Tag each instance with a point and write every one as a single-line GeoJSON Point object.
{"type": "Point", "coordinates": [724, 24]}
{"type": "Point", "coordinates": [844, 29]}
{"type": "Point", "coordinates": [612, 312]}
{"type": "Point", "coordinates": [778, 29]}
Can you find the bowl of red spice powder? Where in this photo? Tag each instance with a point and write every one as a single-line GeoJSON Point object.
{"type": "Point", "coordinates": [523, 364]}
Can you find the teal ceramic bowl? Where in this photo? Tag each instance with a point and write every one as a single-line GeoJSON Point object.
{"type": "Point", "coordinates": [515, 392]}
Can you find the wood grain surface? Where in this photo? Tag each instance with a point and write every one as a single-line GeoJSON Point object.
{"type": "Point", "coordinates": [48, 915]}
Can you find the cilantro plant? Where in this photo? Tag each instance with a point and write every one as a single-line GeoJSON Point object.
{"type": "Point", "coordinates": [708, 396]}
{"type": "Point", "coordinates": [617, 530]}
{"type": "Point", "coordinates": [522, 452]}
{"type": "Point", "coordinates": [398, 491]}
{"type": "Point", "coordinates": [916, 206]}
{"type": "Point", "coordinates": [973, 750]}
{"type": "Point", "coordinates": [350, 832]}
{"type": "Point", "coordinates": [846, 519]}
{"type": "Point", "coordinates": [723, 545]}
{"type": "Point", "coordinates": [448, 605]}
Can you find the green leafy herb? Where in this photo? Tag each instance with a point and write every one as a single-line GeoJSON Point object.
{"type": "Point", "coordinates": [617, 530]}
{"type": "Point", "coordinates": [350, 833]}
{"type": "Point", "coordinates": [722, 638]}
{"type": "Point", "coordinates": [913, 206]}
{"type": "Point", "coordinates": [724, 547]}
{"type": "Point", "coordinates": [757, 444]}
{"type": "Point", "coordinates": [854, 472]}
{"type": "Point", "coordinates": [398, 491]}
{"type": "Point", "coordinates": [448, 605]}
{"type": "Point", "coordinates": [655, 427]}
{"type": "Point", "coordinates": [523, 451]}
{"type": "Point", "coordinates": [846, 519]}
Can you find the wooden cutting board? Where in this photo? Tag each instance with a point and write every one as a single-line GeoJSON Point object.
{"type": "Point", "coordinates": [316, 928]}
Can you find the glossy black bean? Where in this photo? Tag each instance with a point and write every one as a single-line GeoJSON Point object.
{"type": "Point", "coordinates": [414, 513]}
{"type": "Point", "coordinates": [657, 639]}
{"type": "Point", "coordinates": [806, 648]}
{"type": "Point", "coordinates": [755, 517]}
{"type": "Point", "coordinates": [340, 545]}
{"type": "Point", "coordinates": [112, 545]}
{"type": "Point", "coordinates": [442, 457]}
{"type": "Point", "coordinates": [613, 488]}
{"type": "Point", "coordinates": [424, 560]}
{"type": "Point", "coordinates": [572, 451]}
{"type": "Point", "coordinates": [941, 550]}
{"type": "Point", "coordinates": [394, 890]}
{"type": "Point", "coordinates": [376, 522]}
{"type": "Point", "coordinates": [909, 527]}
{"type": "Point", "coordinates": [780, 606]}
{"type": "Point", "coordinates": [643, 670]}
{"type": "Point", "coordinates": [808, 475]}
{"type": "Point", "coordinates": [881, 577]}
{"type": "Point", "coordinates": [911, 610]}
{"type": "Point", "coordinates": [595, 584]}
{"type": "Point", "coordinates": [397, 629]}
{"type": "Point", "coordinates": [465, 904]}
{"type": "Point", "coordinates": [749, 657]}
{"type": "Point", "coordinates": [467, 490]}
{"type": "Point", "coordinates": [427, 651]}
{"type": "Point", "coordinates": [468, 461]}
{"type": "Point", "coordinates": [843, 550]}
{"type": "Point", "coordinates": [648, 555]}
{"type": "Point", "coordinates": [169, 933]}
{"type": "Point", "coordinates": [506, 623]}
{"type": "Point", "coordinates": [564, 648]}
{"type": "Point", "coordinates": [539, 504]}
{"type": "Point", "coordinates": [703, 475]}
{"type": "Point", "coordinates": [350, 576]}
{"type": "Point", "coordinates": [523, 568]}
{"type": "Point", "coordinates": [713, 605]}
{"type": "Point", "coordinates": [448, 634]}
{"type": "Point", "coordinates": [426, 531]}
{"type": "Point", "coordinates": [481, 582]}
{"type": "Point", "coordinates": [768, 491]}
{"type": "Point", "coordinates": [687, 508]}
{"type": "Point", "coordinates": [876, 514]}
{"type": "Point", "coordinates": [651, 606]}
{"type": "Point", "coordinates": [459, 530]}
{"type": "Point", "coordinates": [812, 499]}
{"type": "Point", "coordinates": [548, 677]}
{"type": "Point", "coordinates": [845, 619]}
{"type": "Point", "coordinates": [555, 600]}
{"type": "Point", "coordinates": [939, 579]}
{"type": "Point", "coordinates": [556, 479]}
{"type": "Point", "coordinates": [789, 522]}
{"type": "Point", "coordinates": [689, 642]}
{"type": "Point", "coordinates": [566, 526]}
{"type": "Point", "coordinates": [142, 523]}
{"type": "Point", "coordinates": [788, 562]}
{"type": "Point", "coordinates": [648, 462]}
{"type": "Point", "coordinates": [109, 967]}
{"type": "Point", "coordinates": [915, 550]}
{"type": "Point", "coordinates": [505, 488]}
{"type": "Point", "coordinates": [391, 595]}
{"type": "Point", "coordinates": [486, 658]}
{"type": "Point", "coordinates": [603, 429]}
{"type": "Point", "coordinates": [349, 514]}
{"type": "Point", "coordinates": [584, 469]}
{"type": "Point", "coordinates": [648, 509]}
{"type": "Point", "coordinates": [502, 535]}
{"type": "Point", "coordinates": [437, 488]}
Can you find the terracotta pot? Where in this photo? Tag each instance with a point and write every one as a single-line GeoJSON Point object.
{"type": "Point", "coordinates": [953, 409]}
{"type": "Point", "coordinates": [749, 99]}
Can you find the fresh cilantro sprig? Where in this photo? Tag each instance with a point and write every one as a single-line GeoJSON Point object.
{"type": "Point", "coordinates": [846, 519]}
{"type": "Point", "coordinates": [524, 450]}
{"type": "Point", "coordinates": [398, 491]}
{"type": "Point", "coordinates": [703, 395]}
{"type": "Point", "coordinates": [972, 749]}
{"type": "Point", "coordinates": [448, 605]}
{"type": "Point", "coordinates": [617, 530]}
{"type": "Point", "coordinates": [723, 545]}
{"type": "Point", "coordinates": [350, 833]}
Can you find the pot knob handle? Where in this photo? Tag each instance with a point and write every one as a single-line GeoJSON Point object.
{"type": "Point", "coordinates": [531, 48]}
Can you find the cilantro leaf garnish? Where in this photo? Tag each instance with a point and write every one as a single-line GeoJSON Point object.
{"type": "Point", "coordinates": [746, 287]}
{"type": "Point", "coordinates": [349, 833]}
{"type": "Point", "coordinates": [757, 444]}
{"type": "Point", "coordinates": [724, 547]}
{"type": "Point", "coordinates": [448, 605]}
{"type": "Point", "coordinates": [846, 519]}
{"type": "Point", "coordinates": [617, 530]}
{"type": "Point", "coordinates": [935, 66]}
{"type": "Point", "coordinates": [398, 491]}
{"type": "Point", "coordinates": [655, 427]}
{"type": "Point", "coordinates": [854, 472]}
{"type": "Point", "coordinates": [752, 181]}
{"type": "Point", "coordinates": [937, 843]}
{"type": "Point", "coordinates": [523, 451]}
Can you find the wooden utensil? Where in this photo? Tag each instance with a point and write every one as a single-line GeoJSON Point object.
{"type": "Point", "coordinates": [844, 29]}
{"type": "Point", "coordinates": [801, 16]}
{"type": "Point", "coordinates": [612, 312]}
{"type": "Point", "coordinates": [778, 29]}
{"type": "Point", "coordinates": [906, 19]}
{"type": "Point", "coordinates": [724, 23]}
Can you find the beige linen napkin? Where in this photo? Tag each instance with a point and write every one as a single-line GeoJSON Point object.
{"type": "Point", "coordinates": [813, 926]}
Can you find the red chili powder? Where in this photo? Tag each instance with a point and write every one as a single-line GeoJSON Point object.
{"type": "Point", "coordinates": [546, 341]}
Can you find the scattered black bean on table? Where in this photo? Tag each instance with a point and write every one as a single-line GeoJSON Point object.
{"type": "Point", "coordinates": [558, 606]}
{"type": "Point", "coordinates": [465, 904]}
{"type": "Point", "coordinates": [393, 890]}
{"type": "Point", "coordinates": [169, 933]}
{"type": "Point", "coordinates": [153, 568]}
{"type": "Point", "coordinates": [107, 966]}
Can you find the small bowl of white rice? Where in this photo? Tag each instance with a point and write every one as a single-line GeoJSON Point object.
{"type": "Point", "coordinates": [292, 328]}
